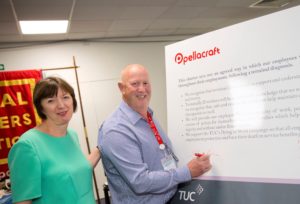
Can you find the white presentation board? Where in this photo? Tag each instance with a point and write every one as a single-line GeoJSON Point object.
{"type": "Point", "coordinates": [235, 94]}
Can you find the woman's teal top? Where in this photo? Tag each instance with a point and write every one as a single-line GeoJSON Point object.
{"type": "Point", "coordinates": [50, 170]}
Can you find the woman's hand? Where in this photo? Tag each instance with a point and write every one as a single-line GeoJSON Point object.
{"type": "Point", "coordinates": [94, 156]}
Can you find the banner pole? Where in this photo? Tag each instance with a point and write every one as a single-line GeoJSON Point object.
{"type": "Point", "coordinates": [84, 126]}
{"type": "Point", "coordinates": [58, 68]}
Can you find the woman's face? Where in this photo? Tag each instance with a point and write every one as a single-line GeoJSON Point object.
{"type": "Point", "coordinates": [58, 109]}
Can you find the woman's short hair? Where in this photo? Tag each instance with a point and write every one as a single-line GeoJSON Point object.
{"type": "Point", "coordinates": [47, 88]}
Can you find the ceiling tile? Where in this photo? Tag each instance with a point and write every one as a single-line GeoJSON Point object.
{"type": "Point", "coordinates": [197, 31]}
{"type": "Point", "coordinates": [96, 12]}
{"type": "Point", "coordinates": [210, 3]}
{"type": "Point", "coordinates": [47, 3]}
{"type": "Point", "coordinates": [120, 25]}
{"type": "Point", "coordinates": [181, 12]}
{"type": "Point", "coordinates": [10, 28]}
{"type": "Point", "coordinates": [6, 13]}
{"type": "Point", "coordinates": [142, 12]}
{"type": "Point", "coordinates": [122, 3]}
{"type": "Point", "coordinates": [43, 12]}
{"type": "Point", "coordinates": [89, 26]}
{"type": "Point", "coordinates": [125, 33]}
{"type": "Point", "coordinates": [201, 22]}
{"type": "Point", "coordinates": [167, 23]}
{"type": "Point", "coordinates": [159, 32]}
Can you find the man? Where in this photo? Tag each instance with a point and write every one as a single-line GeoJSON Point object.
{"type": "Point", "coordinates": [137, 155]}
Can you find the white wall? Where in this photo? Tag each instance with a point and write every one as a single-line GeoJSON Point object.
{"type": "Point", "coordinates": [99, 68]}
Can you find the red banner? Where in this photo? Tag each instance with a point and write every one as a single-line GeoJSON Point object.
{"type": "Point", "coordinates": [17, 113]}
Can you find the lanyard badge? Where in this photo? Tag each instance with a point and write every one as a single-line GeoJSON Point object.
{"type": "Point", "coordinates": [161, 144]}
{"type": "Point", "coordinates": [170, 160]}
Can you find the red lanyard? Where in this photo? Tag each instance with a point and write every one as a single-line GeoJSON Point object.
{"type": "Point", "coordinates": [155, 131]}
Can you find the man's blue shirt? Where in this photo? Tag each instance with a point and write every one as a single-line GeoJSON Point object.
{"type": "Point", "coordinates": [132, 160]}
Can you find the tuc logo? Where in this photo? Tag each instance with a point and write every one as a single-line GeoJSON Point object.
{"type": "Point", "coordinates": [183, 59]}
{"type": "Point", "coordinates": [190, 195]}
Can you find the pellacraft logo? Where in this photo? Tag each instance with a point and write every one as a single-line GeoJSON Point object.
{"type": "Point", "coordinates": [183, 59]}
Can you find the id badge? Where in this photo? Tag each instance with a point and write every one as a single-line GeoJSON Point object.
{"type": "Point", "coordinates": [168, 162]}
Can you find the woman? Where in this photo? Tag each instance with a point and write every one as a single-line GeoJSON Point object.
{"type": "Point", "coordinates": [46, 164]}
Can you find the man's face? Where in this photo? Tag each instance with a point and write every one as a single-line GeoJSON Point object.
{"type": "Point", "coordinates": [136, 89]}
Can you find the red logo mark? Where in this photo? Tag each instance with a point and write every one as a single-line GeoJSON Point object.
{"type": "Point", "coordinates": [183, 59]}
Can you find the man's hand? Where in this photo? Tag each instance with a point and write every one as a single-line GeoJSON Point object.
{"type": "Point", "coordinates": [199, 165]}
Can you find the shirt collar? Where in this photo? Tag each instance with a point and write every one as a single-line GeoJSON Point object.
{"type": "Point", "coordinates": [132, 115]}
